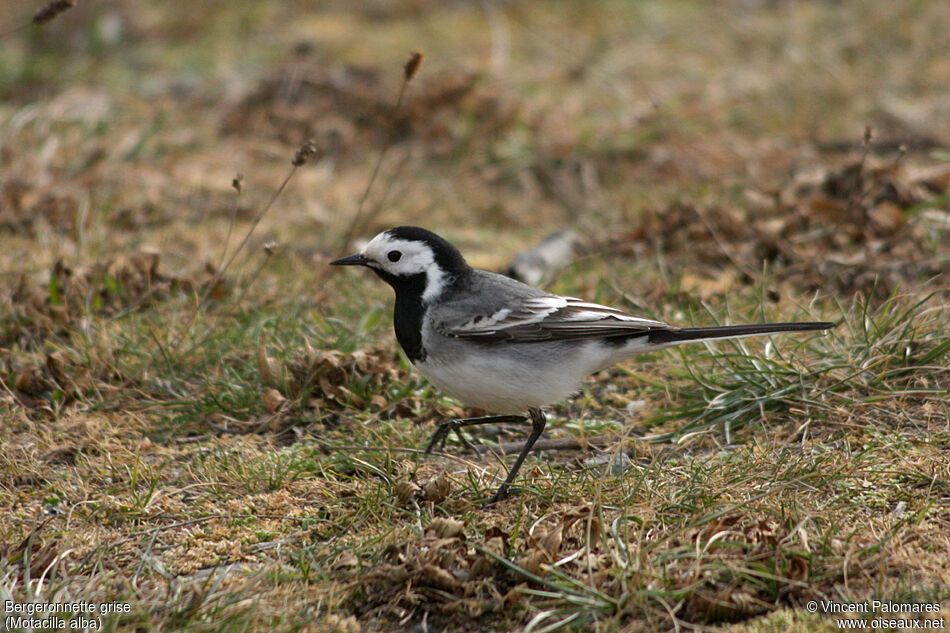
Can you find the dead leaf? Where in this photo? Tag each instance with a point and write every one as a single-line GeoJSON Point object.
{"type": "Point", "coordinates": [446, 528]}
{"type": "Point", "coordinates": [272, 400]}
{"type": "Point", "coordinates": [268, 368]}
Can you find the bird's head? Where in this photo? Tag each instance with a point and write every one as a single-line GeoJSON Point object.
{"type": "Point", "coordinates": [408, 256]}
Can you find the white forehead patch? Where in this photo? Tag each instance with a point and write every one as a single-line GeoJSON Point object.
{"type": "Point", "coordinates": [415, 257]}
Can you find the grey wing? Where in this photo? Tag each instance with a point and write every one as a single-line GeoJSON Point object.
{"type": "Point", "coordinates": [548, 318]}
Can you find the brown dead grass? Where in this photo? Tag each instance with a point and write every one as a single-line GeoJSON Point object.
{"type": "Point", "coordinates": [261, 473]}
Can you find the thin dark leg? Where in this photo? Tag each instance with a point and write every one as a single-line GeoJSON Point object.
{"type": "Point", "coordinates": [444, 428]}
{"type": "Point", "coordinates": [537, 427]}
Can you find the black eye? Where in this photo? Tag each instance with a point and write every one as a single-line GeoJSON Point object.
{"type": "Point", "coordinates": [394, 256]}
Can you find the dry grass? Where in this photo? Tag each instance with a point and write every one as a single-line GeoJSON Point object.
{"type": "Point", "coordinates": [199, 420]}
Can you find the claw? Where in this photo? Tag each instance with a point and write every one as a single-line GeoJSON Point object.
{"type": "Point", "coordinates": [440, 435]}
{"type": "Point", "coordinates": [463, 439]}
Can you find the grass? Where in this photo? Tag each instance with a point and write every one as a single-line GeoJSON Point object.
{"type": "Point", "coordinates": [894, 350]}
{"type": "Point", "coordinates": [237, 447]}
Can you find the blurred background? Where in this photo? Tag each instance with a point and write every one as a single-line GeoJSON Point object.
{"type": "Point", "coordinates": [125, 122]}
{"type": "Point", "coordinates": [188, 392]}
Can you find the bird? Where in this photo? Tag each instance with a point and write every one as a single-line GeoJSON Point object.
{"type": "Point", "coordinates": [500, 345]}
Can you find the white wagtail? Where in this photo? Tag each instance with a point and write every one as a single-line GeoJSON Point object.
{"type": "Point", "coordinates": [503, 346]}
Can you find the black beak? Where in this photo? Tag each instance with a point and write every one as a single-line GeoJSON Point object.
{"type": "Point", "coordinates": [351, 260]}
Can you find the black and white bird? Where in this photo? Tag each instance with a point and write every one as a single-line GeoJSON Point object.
{"type": "Point", "coordinates": [506, 347]}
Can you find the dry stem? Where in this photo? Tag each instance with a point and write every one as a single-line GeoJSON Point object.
{"type": "Point", "coordinates": [300, 158]}
{"type": "Point", "coordinates": [409, 71]}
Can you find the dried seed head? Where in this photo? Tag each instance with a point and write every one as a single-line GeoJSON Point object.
{"type": "Point", "coordinates": [441, 527]}
{"type": "Point", "coordinates": [867, 135]}
{"type": "Point", "coordinates": [306, 150]}
{"type": "Point", "coordinates": [436, 490]}
{"type": "Point", "coordinates": [51, 10]}
{"type": "Point", "coordinates": [406, 490]}
{"type": "Point", "coordinates": [412, 66]}
{"type": "Point", "coordinates": [237, 182]}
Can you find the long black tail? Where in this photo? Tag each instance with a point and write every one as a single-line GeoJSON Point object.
{"type": "Point", "coordinates": [687, 334]}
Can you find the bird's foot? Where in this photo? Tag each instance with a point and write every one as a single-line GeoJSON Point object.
{"type": "Point", "coordinates": [442, 433]}
{"type": "Point", "coordinates": [448, 426]}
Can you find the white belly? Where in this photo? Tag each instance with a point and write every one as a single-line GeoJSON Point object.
{"type": "Point", "coordinates": [512, 378]}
